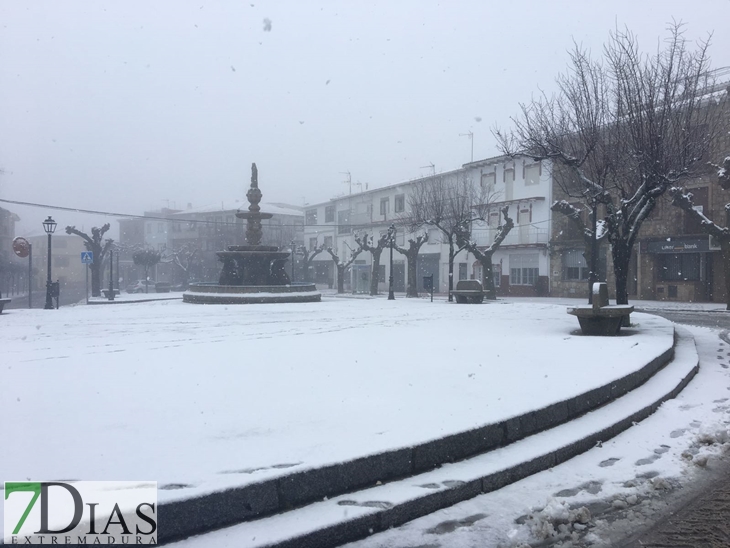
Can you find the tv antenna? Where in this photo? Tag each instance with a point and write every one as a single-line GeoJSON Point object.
{"type": "Point", "coordinates": [431, 167]}
{"type": "Point", "coordinates": [349, 179]}
{"type": "Point", "coordinates": [471, 138]}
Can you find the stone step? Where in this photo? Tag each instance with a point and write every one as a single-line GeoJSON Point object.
{"type": "Point", "coordinates": [331, 522]}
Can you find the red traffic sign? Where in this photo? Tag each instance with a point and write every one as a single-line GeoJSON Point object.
{"type": "Point", "coordinates": [21, 247]}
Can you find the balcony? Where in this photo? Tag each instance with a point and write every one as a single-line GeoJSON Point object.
{"type": "Point", "coordinates": [521, 235]}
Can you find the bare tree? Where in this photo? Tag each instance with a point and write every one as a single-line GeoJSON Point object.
{"type": "Point", "coordinates": [343, 266]}
{"type": "Point", "coordinates": [308, 256]}
{"type": "Point", "coordinates": [484, 256]}
{"type": "Point", "coordinates": [575, 218]}
{"type": "Point", "coordinates": [147, 258]}
{"type": "Point", "coordinates": [185, 258]}
{"type": "Point", "coordinates": [683, 199]}
{"type": "Point", "coordinates": [411, 254]}
{"type": "Point", "coordinates": [94, 244]}
{"type": "Point", "coordinates": [621, 131]}
{"type": "Point", "coordinates": [365, 242]}
{"type": "Point", "coordinates": [451, 204]}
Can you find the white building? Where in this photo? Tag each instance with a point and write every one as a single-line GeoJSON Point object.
{"type": "Point", "coordinates": [521, 264]}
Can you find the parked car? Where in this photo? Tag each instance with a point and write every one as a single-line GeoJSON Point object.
{"type": "Point", "coordinates": [141, 286]}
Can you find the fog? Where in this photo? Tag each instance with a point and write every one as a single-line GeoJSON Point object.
{"type": "Point", "coordinates": [135, 105]}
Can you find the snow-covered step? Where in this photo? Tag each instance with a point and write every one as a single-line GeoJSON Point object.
{"type": "Point", "coordinates": [332, 522]}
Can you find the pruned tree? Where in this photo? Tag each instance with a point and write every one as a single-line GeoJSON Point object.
{"type": "Point", "coordinates": [99, 248]}
{"type": "Point", "coordinates": [575, 218]}
{"type": "Point", "coordinates": [185, 258]}
{"type": "Point", "coordinates": [365, 242]}
{"type": "Point", "coordinates": [411, 254]}
{"type": "Point", "coordinates": [484, 256]}
{"type": "Point", "coordinates": [451, 204]}
{"type": "Point", "coordinates": [342, 266]}
{"type": "Point", "coordinates": [308, 256]}
{"type": "Point", "coordinates": [147, 258]}
{"type": "Point", "coordinates": [622, 130]}
{"type": "Point", "coordinates": [683, 200]}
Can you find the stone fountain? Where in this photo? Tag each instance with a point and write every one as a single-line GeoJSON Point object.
{"type": "Point", "coordinates": [252, 273]}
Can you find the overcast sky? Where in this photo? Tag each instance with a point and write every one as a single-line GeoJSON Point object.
{"type": "Point", "coordinates": [133, 105]}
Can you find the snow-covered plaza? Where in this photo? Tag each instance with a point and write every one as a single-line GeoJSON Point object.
{"type": "Point", "coordinates": [206, 398]}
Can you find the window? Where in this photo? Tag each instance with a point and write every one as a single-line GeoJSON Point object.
{"type": "Point", "coordinates": [149, 228]}
{"type": "Point", "coordinates": [160, 228]}
{"type": "Point", "coordinates": [60, 261]}
{"type": "Point", "coordinates": [523, 269]}
{"type": "Point", "coordinates": [329, 214]}
{"type": "Point", "coordinates": [493, 219]}
{"type": "Point", "coordinates": [434, 236]}
{"type": "Point", "coordinates": [310, 217]}
{"type": "Point", "coordinates": [384, 206]}
{"type": "Point", "coordinates": [381, 273]}
{"type": "Point", "coordinates": [312, 243]}
{"type": "Point", "coordinates": [509, 175]}
{"type": "Point", "coordinates": [488, 181]}
{"type": "Point", "coordinates": [700, 199]}
{"type": "Point", "coordinates": [327, 242]}
{"type": "Point", "coordinates": [680, 267]}
{"type": "Point", "coordinates": [59, 243]}
{"type": "Point", "coordinates": [462, 271]}
{"type": "Point", "coordinates": [400, 203]}
{"type": "Point", "coordinates": [575, 266]}
{"type": "Point", "coordinates": [532, 173]}
{"type": "Point", "coordinates": [343, 222]}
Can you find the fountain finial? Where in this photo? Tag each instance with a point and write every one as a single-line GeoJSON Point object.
{"type": "Point", "coordinates": [254, 176]}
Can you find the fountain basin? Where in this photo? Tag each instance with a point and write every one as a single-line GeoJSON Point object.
{"type": "Point", "coordinates": [212, 293]}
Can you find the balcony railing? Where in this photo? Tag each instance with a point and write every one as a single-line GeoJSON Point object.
{"type": "Point", "coordinates": [517, 236]}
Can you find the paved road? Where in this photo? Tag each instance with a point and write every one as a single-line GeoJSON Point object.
{"type": "Point", "coordinates": [702, 522]}
{"type": "Point", "coordinates": [717, 320]}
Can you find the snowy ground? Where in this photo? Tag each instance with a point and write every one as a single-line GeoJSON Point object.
{"type": "Point", "coordinates": [203, 397]}
{"type": "Point", "coordinates": [603, 495]}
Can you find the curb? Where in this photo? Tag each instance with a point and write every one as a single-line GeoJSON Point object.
{"type": "Point", "coordinates": [194, 516]}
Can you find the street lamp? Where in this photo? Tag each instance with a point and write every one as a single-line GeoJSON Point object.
{"type": "Point", "coordinates": [293, 248]}
{"type": "Point", "coordinates": [391, 237]}
{"type": "Point", "coordinates": [49, 225]}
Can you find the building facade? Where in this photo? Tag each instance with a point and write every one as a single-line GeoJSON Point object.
{"type": "Point", "coordinates": [520, 266]}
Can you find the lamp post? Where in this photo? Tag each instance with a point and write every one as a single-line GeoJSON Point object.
{"type": "Point", "coordinates": [111, 274]}
{"type": "Point", "coordinates": [391, 235]}
{"type": "Point", "coordinates": [293, 247]}
{"type": "Point", "coordinates": [49, 225]}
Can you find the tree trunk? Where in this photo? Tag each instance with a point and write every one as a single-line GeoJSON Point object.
{"type": "Point", "coordinates": [725, 247]}
{"type": "Point", "coordinates": [412, 289]}
{"type": "Point", "coordinates": [375, 276]}
{"type": "Point", "coordinates": [621, 257]}
{"type": "Point", "coordinates": [340, 278]}
{"type": "Point", "coordinates": [95, 268]}
{"type": "Point", "coordinates": [490, 292]}
{"type": "Point", "coordinates": [451, 268]}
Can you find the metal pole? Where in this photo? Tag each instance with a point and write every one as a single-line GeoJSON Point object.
{"type": "Point", "coordinates": [391, 295]}
{"type": "Point", "coordinates": [111, 275]}
{"type": "Point", "coordinates": [87, 283]}
{"type": "Point", "coordinates": [292, 261]}
{"type": "Point", "coordinates": [30, 276]}
{"type": "Point", "coordinates": [49, 300]}
{"type": "Point", "coordinates": [593, 275]}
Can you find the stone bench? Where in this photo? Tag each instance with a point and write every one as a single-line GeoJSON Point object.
{"type": "Point", "coordinates": [601, 318]}
{"type": "Point", "coordinates": [468, 291]}
{"type": "Point", "coordinates": [3, 302]}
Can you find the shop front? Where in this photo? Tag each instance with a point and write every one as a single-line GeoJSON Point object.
{"type": "Point", "coordinates": [682, 268]}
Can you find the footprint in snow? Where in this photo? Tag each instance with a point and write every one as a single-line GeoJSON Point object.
{"type": "Point", "coordinates": [608, 462]}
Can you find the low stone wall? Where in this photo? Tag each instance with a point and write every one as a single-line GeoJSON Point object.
{"type": "Point", "coordinates": [207, 293]}
{"type": "Point", "coordinates": [184, 518]}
